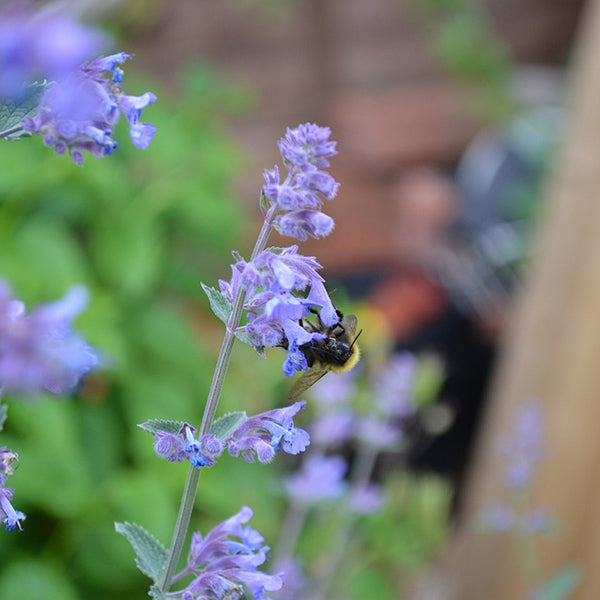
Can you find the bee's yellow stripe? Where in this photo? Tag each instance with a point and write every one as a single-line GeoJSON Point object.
{"type": "Point", "coordinates": [351, 362]}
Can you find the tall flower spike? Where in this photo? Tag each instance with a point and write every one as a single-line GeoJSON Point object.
{"type": "Point", "coordinates": [225, 560]}
{"type": "Point", "coordinates": [79, 113]}
{"type": "Point", "coordinates": [300, 196]}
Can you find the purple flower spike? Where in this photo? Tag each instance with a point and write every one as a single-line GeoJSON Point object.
{"type": "Point", "coordinates": [226, 559]}
{"type": "Point", "coordinates": [39, 351]}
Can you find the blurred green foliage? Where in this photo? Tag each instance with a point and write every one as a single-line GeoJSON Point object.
{"type": "Point", "coordinates": [468, 48]}
{"type": "Point", "coordinates": [140, 230]}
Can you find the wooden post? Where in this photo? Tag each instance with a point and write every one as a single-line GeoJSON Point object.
{"type": "Point", "coordinates": [552, 354]}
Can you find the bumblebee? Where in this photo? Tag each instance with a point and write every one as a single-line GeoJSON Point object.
{"type": "Point", "coordinates": [337, 351]}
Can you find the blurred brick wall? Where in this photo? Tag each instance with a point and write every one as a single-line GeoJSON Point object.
{"type": "Point", "coordinates": [365, 69]}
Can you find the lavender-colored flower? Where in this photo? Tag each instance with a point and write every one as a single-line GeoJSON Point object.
{"type": "Point", "coordinates": [331, 392]}
{"type": "Point", "coordinates": [393, 386]}
{"type": "Point", "coordinates": [321, 478]}
{"type": "Point", "coordinates": [304, 151]}
{"type": "Point", "coordinates": [378, 434]}
{"type": "Point", "coordinates": [260, 436]}
{"type": "Point", "coordinates": [538, 521]}
{"type": "Point", "coordinates": [79, 113]}
{"type": "Point", "coordinates": [8, 462]}
{"type": "Point", "coordinates": [523, 448]}
{"type": "Point", "coordinates": [282, 288]}
{"type": "Point", "coordinates": [225, 559]}
{"type": "Point", "coordinates": [366, 500]}
{"type": "Point", "coordinates": [39, 350]}
{"type": "Point", "coordinates": [333, 429]}
{"type": "Point", "coordinates": [268, 432]}
{"type": "Point", "coordinates": [38, 45]}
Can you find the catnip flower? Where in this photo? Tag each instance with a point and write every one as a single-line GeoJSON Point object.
{"type": "Point", "coordinates": [12, 517]}
{"type": "Point", "coordinates": [366, 500]}
{"type": "Point", "coordinates": [393, 386]}
{"type": "Point", "coordinates": [282, 287]}
{"type": "Point", "coordinates": [320, 478]}
{"type": "Point", "coordinates": [79, 112]}
{"type": "Point", "coordinates": [298, 198]}
{"type": "Point", "coordinates": [40, 45]}
{"type": "Point", "coordinates": [226, 559]}
{"type": "Point", "coordinates": [258, 437]}
{"type": "Point", "coordinates": [39, 351]}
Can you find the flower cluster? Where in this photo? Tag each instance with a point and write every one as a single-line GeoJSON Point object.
{"type": "Point", "coordinates": [260, 436]}
{"type": "Point", "coordinates": [304, 151]}
{"type": "Point", "coordinates": [39, 350]}
{"type": "Point", "coordinates": [226, 559]}
{"type": "Point", "coordinates": [12, 518]}
{"type": "Point", "coordinates": [40, 45]}
{"type": "Point", "coordinates": [320, 479]}
{"type": "Point", "coordinates": [79, 112]}
{"type": "Point", "coordinates": [282, 288]}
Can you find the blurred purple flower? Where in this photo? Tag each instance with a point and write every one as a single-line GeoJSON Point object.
{"type": "Point", "coordinates": [394, 386]}
{"type": "Point", "coordinates": [40, 44]}
{"type": "Point", "coordinates": [332, 429]}
{"type": "Point", "coordinates": [538, 521]}
{"type": "Point", "coordinates": [296, 581]}
{"type": "Point", "coordinates": [79, 112]}
{"type": "Point", "coordinates": [523, 448]}
{"type": "Point", "coordinates": [378, 434]}
{"type": "Point", "coordinates": [39, 350]}
{"type": "Point", "coordinates": [366, 500]}
{"type": "Point", "coordinates": [225, 559]}
{"type": "Point", "coordinates": [320, 478]}
{"type": "Point", "coordinates": [330, 392]}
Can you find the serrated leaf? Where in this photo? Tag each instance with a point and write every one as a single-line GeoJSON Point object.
{"type": "Point", "coordinates": [3, 413]}
{"type": "Point", "coordinates": [224, 426]}
{"type": "Point", "coordinates": [561, 585]}
{"type": "Point", "coordinates": [168, 426]}
{"type": "Point", "coordinates": [13, 112]}
{"type": "Point", "coordinates": [151, 555]}
{"type": "Point", "coordinates": [156, 593]}
{"type": "Point", "coordinates": [222, 309]}
{"type": "Point", "coordinates": [218, 303]}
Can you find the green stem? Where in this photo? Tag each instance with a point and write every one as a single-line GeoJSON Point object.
{"type": "Point", "coordinates": [10, 131]}
{"type": "Point", "coordinates": [359, 479]}
{"type": "Point", "coordinates": [212, 402]}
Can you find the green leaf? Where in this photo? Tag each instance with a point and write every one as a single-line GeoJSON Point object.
{"type": "Point", "coordinates": [218, 303]}
{"type": "Point", "coordinates": [560, 585]}
{"type": "Point", "coordinates": [222, 309]}
{"type": "Point", "coordinates": [13, 112]}
{"type": "Point", "coordinates": [224, 426]}
{"type": "Point", "coordinates": [154, 425]}
{"type": "Point", "coordinates": [156, 593]}
{"type": "Point", "coordinates": [151, 555]}
{"type": "Point", "coordinates": [3, 412]}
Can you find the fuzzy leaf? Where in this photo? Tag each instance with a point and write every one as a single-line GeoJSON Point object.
{"type": "Point", "coordinates": [13, 112]}
{"type": "Point", "coordinates": [154, 425]}
{"type": "Point", "coordinates": [151, 555]}
{"type": "Point", "coordinates": [3, 412]}
{"type": "Point", "coordinates": [561, 585]}
{"type": "Point", "coordinates": [222, 309]}
{"type": "Point", "coordinates": [224, 426]}
{"type": "Point", "coordinates": [156, 593]}
{"type": "Point", "coordinates": [218, 303]}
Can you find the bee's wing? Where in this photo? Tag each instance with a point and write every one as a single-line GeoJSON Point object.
{"type": "Point", "coordinates": [350, 323]}
{"type": "Point", "coordinates": [306, 380]}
